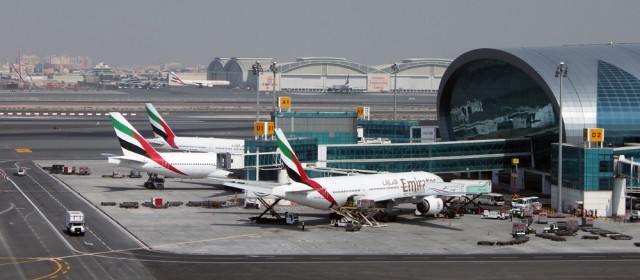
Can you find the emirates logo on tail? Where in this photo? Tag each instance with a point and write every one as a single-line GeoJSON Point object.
{"type": "Point", "coordinates": [132, 142]}
{"type": "Point", "coordinates": [294, 168]}
{"type": "Point", "coordinates": [175, 79]}
{"type": "Point", "coordinates": [160, 127]}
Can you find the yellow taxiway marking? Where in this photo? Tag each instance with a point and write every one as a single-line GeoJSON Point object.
{"type": "Point", "coordinates": [59, 271]}
{"type": "Point", "coordinates": [23, 150]}
{"type": "Point", "coordinates": [52, 274]}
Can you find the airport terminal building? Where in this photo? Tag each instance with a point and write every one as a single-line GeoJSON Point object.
{"type": "Point", "coordinates": [514, 93]}
{"type": "Point", "coordinates": [497, 105]}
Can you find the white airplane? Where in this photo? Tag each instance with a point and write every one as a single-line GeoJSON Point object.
{"type": "Point", "coordinates": [175, 80]}
{"type": "Point", "coordinates": [166, 139]}
{"type": "Point", "coordinates": [376, 190]}
{"type": "Point", "coordinates": [140, 155]}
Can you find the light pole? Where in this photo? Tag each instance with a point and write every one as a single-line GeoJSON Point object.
{"type": "Point", "coordinates": [274, 70]}
{"type": "Point", "coordinates": [561, 72]}
{"type": "Point", "coordinates": [256, 68]}
{"type": "Point", "coordinates": [395, 69]}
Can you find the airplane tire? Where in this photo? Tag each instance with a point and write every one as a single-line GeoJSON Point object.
{"type": "Point", "coordinates": [451, 214]}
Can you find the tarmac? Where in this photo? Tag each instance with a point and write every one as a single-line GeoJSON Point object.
{"type": "Point", "coordinates": [228, 231]}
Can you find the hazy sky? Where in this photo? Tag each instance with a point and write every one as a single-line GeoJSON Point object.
{"type": "Point", "coordinates": [145, 32]}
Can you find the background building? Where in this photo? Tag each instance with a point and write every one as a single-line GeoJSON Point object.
{"type": "Point", "coordinates": [331, 74]}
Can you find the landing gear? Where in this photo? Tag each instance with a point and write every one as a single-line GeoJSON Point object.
{"type": "Point", "coordinates": [154, 182]}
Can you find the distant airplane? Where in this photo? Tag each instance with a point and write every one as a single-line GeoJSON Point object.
{"type": "Point", "coordinates": [175, 80]}
{"type": "Point", "coordinates": [375, 190]}
{"type": "Point", "coordinates": [343, 88]}
{"type": "Point", "coordinates": [139, 154]}
{"type": "Point", "coordinates": [166, 139]}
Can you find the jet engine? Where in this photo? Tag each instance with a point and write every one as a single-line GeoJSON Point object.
{"type": "Point", "coordinates": [430, 205]}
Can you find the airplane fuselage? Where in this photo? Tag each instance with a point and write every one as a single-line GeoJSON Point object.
{"type": "Point", "coordinates": [212, 145]}
{"type": "Point", "coordinates": [342, 188]}
{"type": "Point", "coordinates": [206, 83]}
{"type": "Point", "coordinates": [180, 165]}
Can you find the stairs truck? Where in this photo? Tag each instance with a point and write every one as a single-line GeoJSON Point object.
{"type": "Point", "coordinates": [75, 222]}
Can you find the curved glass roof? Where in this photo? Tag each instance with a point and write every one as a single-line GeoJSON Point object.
{"type": "Point", "coordinates": [601, 87]}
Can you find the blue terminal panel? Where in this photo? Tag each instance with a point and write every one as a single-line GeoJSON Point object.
{"type": "Point", "coordinates": [618, 103]}
{"type": "Point", "coordinates": [306, 149]}
{"type": "Point", "coordinates": [585, 169]}
{"type": "Point", "coordinates": [327, 127]}
{"type": "Point", "coordinates": [396, 131]}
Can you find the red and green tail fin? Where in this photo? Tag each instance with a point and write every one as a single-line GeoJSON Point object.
{"type": "Point", "coordinates": [160, 127]}
{"type": "Point", "coordinates": [132, 143]}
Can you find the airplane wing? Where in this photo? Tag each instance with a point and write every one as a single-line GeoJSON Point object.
{"type": "Point", "coordinates": [305, 191]}
{"type": "Point", "coordinates": [459, 187]}
{"type": "Point", "coordinates": [265, 189]}
{"type": "Point", "coordinates": [119, 159]}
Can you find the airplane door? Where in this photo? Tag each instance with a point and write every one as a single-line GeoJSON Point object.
{"type": "Point", "coordinates": [224, 160]}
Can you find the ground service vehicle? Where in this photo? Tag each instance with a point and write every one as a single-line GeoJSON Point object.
{"type": "Point", "coordinates": [84, 170]}
{"type": "Point", "coordinates": [494, 215]}
{"type": "Point", "coordinates": [75, 222]}
{"type": "Point", "coordinates": [291, 218]}
{"type": "Point", "coordinates": [532, 202]}
{"type": "Point", "coordinates": [134, 174]}
{"type": "Point", "coordinates": [57, 168]}
{"type": "Point", "coordinates": [22, 171]}
{"type": "Point", "coordinates": [490, 199]}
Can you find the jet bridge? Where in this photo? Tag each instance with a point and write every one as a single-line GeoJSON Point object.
{"type": "Point", "coordinates": [629, 168]}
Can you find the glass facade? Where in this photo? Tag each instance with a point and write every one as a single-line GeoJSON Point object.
{"type": "Point", "coordinates": [494, 99]}
{"type": "Point", "coordinates": [624, 169]}
{"type": "Point", "coordinates": [506, 93]}
{"type": "Point", "coordinates": [441, 157]}
{"type": "Point", "coordinates": [327, 127]}
{"type": "Point", "coordinates": [306, 149]}
{"type": "Point", "coordinates": [584, 169]}
{"type": "Point", "coordinates": [396, 131]}
{"type": "Point", "coordinates": [618, 103]}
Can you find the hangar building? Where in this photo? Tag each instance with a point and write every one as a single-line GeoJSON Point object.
{"type": "Point", "coordinates": [331, 74]}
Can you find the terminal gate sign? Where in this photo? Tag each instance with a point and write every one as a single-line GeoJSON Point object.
{"type": "Point", "coordinates": [263, 128]}
{"type": "Point", "coordinates": [593, 135]}
{"type": "Point", "coordinates": [284, 102]}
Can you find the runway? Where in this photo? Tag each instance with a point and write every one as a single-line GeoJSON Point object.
{"type": "Point", "coordinates": [33, 246]}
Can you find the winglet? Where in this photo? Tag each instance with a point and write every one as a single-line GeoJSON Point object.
{"type": "Point", "coordinates": [160, 127]}
{"type": "Point", "coordinates": [132, 143]}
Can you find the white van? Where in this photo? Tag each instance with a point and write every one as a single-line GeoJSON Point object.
{"type": "Point", "coordinates": [490, 199]}
{"type": "Point", "coordinates": [531, 202]}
